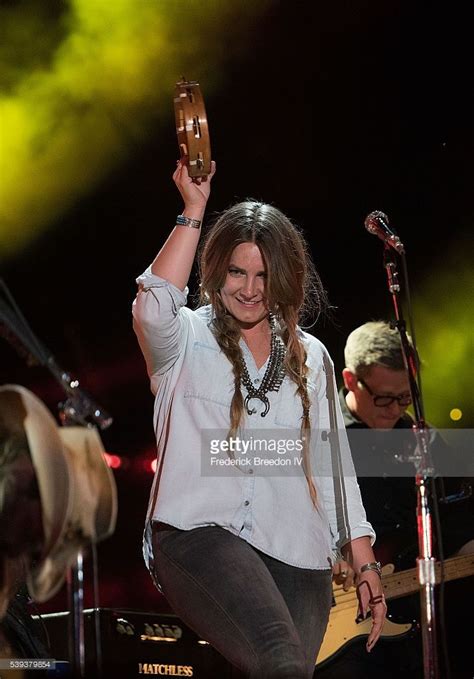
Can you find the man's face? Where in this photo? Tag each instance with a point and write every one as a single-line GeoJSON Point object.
{"type": "Point", "coordinates": [379, 382]}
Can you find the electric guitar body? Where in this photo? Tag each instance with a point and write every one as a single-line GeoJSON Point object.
{"type": "Point", "coordinates": [344, 627]}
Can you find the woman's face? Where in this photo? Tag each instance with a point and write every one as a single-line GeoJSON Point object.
{"type": "Point", "coordinates": [243, 293]}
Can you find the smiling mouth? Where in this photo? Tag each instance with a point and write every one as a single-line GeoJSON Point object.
{"type": "Point", "coordinates": [248, 303]}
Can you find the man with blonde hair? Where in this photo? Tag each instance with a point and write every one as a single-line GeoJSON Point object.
{"type": "Point", "coordinates": [374, 401]}
{"type": "Point", "coordinates": [375, 377]}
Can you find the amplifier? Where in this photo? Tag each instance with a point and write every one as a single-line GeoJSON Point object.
{"type": "Point", "coordinates": [124, 643]}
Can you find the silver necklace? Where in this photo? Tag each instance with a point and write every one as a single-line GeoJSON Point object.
{"type": "Point", "coordinates": [274, 374]}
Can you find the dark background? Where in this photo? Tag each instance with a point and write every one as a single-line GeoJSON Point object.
{"type": "Point", "coordinates": [327, 112]}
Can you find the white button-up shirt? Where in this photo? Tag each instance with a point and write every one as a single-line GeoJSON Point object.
{"type": "Point", "coordinates": [267, 505]}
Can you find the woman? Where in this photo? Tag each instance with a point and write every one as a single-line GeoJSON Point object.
{"type": "Point", "coordinates": [244, 556]}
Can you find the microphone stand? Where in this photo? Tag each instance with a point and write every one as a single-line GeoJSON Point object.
{"type": "Point", "coordinates": [423, 468]}
{"type": "Point", "coordinates": [78, 409]}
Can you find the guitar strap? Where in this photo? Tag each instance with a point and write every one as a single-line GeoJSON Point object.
{"type": "Point", "coordinates": [340, 497]}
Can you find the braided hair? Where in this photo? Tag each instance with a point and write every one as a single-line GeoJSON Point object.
{"type": "Point", "coordinates": [292, 285]}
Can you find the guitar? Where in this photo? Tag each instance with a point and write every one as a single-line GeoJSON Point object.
{"type": "Point", "coordinates": [192, 128]}
{"type": "Point", "coordinates": [343, 627]}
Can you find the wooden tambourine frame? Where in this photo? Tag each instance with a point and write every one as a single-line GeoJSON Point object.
{"type": "Point", "coordinates": [192, 128]}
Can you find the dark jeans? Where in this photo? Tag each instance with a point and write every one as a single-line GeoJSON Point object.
{"type": "Point", "coordinates": [265, 617]}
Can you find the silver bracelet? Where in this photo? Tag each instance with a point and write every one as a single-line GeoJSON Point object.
{"type": "Point", "coordinates": [181, 220]}
{"type": "Point", "coordinates": [372, 566]}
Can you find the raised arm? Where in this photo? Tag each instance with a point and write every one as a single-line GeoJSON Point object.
{"type": "Point", "coordinates": [175, 259]}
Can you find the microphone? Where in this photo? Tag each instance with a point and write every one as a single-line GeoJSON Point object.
{"type": "Point", "coordinates": [377, 223]}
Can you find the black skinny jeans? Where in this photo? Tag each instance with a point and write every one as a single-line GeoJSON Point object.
{"type": "Point", "coordinates": [265, 617]}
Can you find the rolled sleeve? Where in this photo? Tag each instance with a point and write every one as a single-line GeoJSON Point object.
{"type": "Point", "coordinates": [157, 322]}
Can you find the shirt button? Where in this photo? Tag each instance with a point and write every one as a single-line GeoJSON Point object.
{"type": "Point", "coordinates": [256, 381]}
{"type": "Point", "coordinates": [246, 503]}
{"type": "Point", "coordinates": [250, 471]}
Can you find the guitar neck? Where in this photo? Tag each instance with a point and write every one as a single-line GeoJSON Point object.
{"type": "Point", "coordinates": [406, 582]}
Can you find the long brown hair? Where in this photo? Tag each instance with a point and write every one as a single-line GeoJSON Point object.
{"type": "Point", "coordinates": [292, 284]}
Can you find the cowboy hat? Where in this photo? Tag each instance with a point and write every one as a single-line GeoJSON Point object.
{"type": "Point", "coordinates": [76, 496]}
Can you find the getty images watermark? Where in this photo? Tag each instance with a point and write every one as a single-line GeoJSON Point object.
{"type": "Point", "coordinates": [362, 453]}
{"type": "Point", "coordinates": [260, 451]}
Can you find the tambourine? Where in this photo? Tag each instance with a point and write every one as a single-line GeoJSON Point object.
{"type": "Point", "coordinates": [192, 128]}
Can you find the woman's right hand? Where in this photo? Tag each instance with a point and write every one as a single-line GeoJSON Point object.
{"type": "Point", "coordinates": [371, 597]}
{"type": "Point", "coordinates": [195, 192]}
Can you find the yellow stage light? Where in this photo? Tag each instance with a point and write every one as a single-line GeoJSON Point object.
{"type": "Point", "coordinates": [81, 86]}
